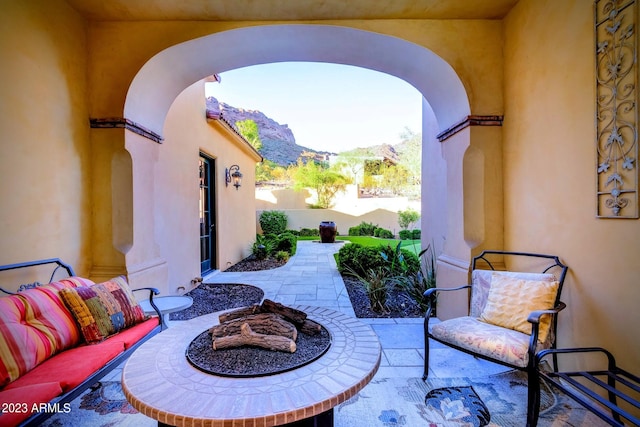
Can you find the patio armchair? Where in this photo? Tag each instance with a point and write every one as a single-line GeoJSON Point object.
{"type": "Point", "coordinates": [512, 314]}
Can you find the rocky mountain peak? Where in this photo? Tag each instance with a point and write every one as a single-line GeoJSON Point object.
{"type": "Point", "coordinates": [278, 142]}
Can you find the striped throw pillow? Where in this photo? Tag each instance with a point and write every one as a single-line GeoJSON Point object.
{"type": "Point", "coordinates": [34, 325]}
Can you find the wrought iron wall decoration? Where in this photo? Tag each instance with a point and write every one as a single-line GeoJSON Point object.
{"type": "Point", "coordinates": [616, 108]}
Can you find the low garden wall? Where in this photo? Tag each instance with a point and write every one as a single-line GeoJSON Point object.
{"type": "Point", "coordinates": [311, 218]}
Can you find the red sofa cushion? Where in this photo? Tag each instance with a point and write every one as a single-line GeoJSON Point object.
{"type": "Point", "coordinates": [133, 335]}
{"type": "Point", "coordinates": [34, 325]}
{"type": "Point", "coordinates": [73, 366]}
{"type": "Point", "coordinates": [23, 399]}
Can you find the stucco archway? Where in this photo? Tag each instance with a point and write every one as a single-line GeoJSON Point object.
{"type": "Point", "coordinates": [164, 76]}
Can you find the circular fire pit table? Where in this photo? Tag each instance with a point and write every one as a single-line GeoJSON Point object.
{"type": "Point", "coordinates": [159, 381]}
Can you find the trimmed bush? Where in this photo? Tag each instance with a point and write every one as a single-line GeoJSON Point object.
{"type": "Point", "coordinates": [348, 256]}
{"type": "Point", "coordinates": [354, 231]}
{"type": "Point", "coordinates": [309, 232]}
{"type": "Point", "coordinates": [367, 228]}
{"type": "Point", "coordinates": [294, 232]}
{"type": "Point", "coordinates": [273, 222]}
{"type": "Point", "coordinates": [286, 242]}
{"type": "Point", "coordinates": [416, 234]}
{"type": "Point", "coordinates": [383, 233]}
{"type": "Point", "coordinates": [405, 234]}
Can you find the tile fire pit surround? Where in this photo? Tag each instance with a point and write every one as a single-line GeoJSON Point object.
{"type": "Point", "coordinates": [160, 383]}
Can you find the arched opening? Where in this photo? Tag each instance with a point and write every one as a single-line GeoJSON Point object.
{"type": "Point", "coordinates": [165, 76]}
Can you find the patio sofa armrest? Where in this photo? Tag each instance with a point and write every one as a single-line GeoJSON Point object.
{"type": "Point", "coordinates": [152, 292]}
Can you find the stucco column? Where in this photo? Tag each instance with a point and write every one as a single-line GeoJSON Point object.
{"type": "Point", "coordinates": [111, 197]}
{"type": "Point", "coordinates": [145, 266]}
{"type": "Point", "coordinates": [463, 206]}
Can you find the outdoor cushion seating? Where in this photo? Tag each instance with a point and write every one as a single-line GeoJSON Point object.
{"type": "Point", "coordinates": [50, 349]}
{"type": "Point", "coordinates": [512, 314]}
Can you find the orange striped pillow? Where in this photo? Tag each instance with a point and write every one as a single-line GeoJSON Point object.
{"type": "Point", "coordinates": [34, 325]}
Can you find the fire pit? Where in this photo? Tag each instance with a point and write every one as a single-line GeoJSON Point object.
{"type": "Point", "coordinates": [259, 340]}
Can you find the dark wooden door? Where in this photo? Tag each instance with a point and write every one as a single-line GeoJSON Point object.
{"type": "Point", "coordinates": [207, 214]}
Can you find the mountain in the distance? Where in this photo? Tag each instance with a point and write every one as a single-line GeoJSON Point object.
{"type": "Point", "coordinates": [278, 143]}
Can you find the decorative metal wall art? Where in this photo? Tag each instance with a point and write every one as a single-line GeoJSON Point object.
{"type": "Point", "coordinates": [616, 108]}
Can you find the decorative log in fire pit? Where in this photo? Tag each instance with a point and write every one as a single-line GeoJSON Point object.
{"type": "Point", "coordinates": [259, 340]}
{"type": "Point", "coordinates": [275, 328]}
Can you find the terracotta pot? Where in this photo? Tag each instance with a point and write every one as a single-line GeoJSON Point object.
{"type": "Point", "coordinates": [328, 231]}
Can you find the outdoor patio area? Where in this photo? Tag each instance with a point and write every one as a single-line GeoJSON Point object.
{"type": "Point", "coordinates": [396, 395]}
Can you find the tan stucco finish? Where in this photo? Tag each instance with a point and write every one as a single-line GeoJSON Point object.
{"type": "Point", "coordinates": [98, 198]}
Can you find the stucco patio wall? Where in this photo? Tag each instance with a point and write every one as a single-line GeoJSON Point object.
{"type": "Point", "coordinates": [311, 218]}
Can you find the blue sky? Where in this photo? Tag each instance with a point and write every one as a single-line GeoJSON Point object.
{"type": "Point", "coordinates": [327, 106]}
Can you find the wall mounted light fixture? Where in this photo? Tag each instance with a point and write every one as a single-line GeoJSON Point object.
{"type": "Point", "coordinates": [233, 174]}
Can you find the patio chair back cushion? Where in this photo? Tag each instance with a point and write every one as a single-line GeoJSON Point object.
{"type": "Point", "coordinates": [511, 300]}
{"type": "Point", "coordinates": [481, 283]}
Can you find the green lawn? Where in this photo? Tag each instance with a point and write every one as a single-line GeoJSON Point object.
{"type": "Point", "coordinates": [412, 245]}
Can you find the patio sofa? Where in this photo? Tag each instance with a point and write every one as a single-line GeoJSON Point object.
{"type": "Point", "coordinates": [59, 339]}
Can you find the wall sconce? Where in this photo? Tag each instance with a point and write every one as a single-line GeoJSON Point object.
{"type": "Point", "coordinates": [233, 174]}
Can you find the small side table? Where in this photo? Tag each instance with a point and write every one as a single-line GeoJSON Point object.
{"type": "Point", "coordinates": [166, 305]}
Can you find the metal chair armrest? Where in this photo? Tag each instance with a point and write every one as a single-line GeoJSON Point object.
{"type": "Point", "coordinates": [431, 291]}
{"type": "Point", "coordinates": [534, 316]}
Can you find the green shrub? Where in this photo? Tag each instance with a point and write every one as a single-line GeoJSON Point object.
{"type": "Point", "coordinates": [354, 231]}
{"type": "Point", "coordinates": [356, 259]}
{"type": "Point", "coordinates": [294, 232]}
{"type": "Point", "coordinates": [262, 247]}
{"type": "Point", "coordinates": [309, 232]}
{"type": "Point", "coordinates": [408, 217]}
{"type": "Point", "coordinates": [367, 228]}
{"type": "Point", "coordinates": [347, 256]}
{"type": "Point", "coordinates": [282, 256]}
{"type": "Point", "coordinates": [374, 282]}
{"type": "Point", "coordinates": [273, 222]}
{"type": "Point", "coordinates": [400, 261]}
{"type": "Point", "coordinates": [405, 234]}
{"type": "Point", "coordinates": [286, 242]}
{"type": "Point", "coordinates": [416, 284]}
{"type": "Point", "coordinates": [416, 234]}
{"type": "Point", "coordinates": [383, 233]}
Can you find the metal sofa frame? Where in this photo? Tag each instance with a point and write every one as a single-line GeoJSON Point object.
{"type": "Point", "coordinates": [39, 417]}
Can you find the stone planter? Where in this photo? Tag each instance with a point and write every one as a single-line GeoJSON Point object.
{"type": "Point", "coordinates": [328, 231]}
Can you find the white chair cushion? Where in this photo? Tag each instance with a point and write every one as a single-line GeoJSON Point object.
{"type": "Point", "coordinates": [489, 340]}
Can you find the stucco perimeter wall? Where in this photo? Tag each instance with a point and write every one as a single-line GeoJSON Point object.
{"type": "Point", "coordinates": [311, 218]}
{"type": "Point", "coordinates": [177, 223]}
{"type": "Point", "coordinates": [550, 175]}
{"type": "Point", "coordinates": [44, 153]}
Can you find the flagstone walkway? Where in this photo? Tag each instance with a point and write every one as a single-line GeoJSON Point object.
{"type": "Point", "coordinates": [311, 277]}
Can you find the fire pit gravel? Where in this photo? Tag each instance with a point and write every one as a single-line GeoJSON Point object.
{"type": "Point", "coordinates": [253, 361]}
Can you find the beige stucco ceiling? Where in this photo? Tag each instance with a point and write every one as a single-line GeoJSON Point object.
{"type": "Point", "coordinates": [284, 10]}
